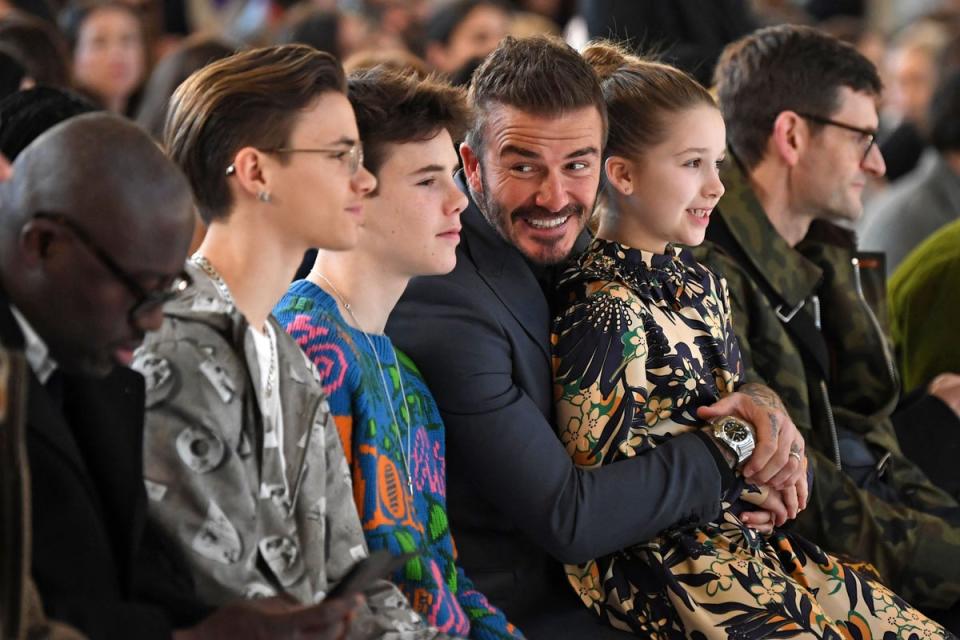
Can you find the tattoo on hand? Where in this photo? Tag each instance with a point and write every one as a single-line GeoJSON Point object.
{"type": "Point", "coordinates": [763, 395]}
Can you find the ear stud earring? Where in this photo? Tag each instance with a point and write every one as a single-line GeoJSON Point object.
{"type": "Point", "coordinates": [263, 196]}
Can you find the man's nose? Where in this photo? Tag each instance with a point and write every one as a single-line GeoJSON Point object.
{"type": "Point", "coordinates": [552, 195]}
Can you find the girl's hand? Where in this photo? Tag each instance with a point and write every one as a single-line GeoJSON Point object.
{"type": "Point", "coordinates": [775, 507]}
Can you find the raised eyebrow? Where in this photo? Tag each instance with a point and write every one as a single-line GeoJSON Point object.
{"type": "Point", "coordinates": [586, 151]}
{"type": "Point", "coordinates": [520, 151]}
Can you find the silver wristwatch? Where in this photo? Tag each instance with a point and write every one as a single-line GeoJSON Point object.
{"type": "Point", "coordinates": [737, 435]}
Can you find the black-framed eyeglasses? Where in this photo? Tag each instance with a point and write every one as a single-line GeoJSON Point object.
{"type": "Point", "coordinates": [869, 135]}
{"type": "Point", "coordinates": [353, 155]}
{"type": "Point", "coordinates": [145, 300]}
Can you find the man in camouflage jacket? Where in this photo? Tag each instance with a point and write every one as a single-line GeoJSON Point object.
{"type": "Point", "coordinates": [800, 305]}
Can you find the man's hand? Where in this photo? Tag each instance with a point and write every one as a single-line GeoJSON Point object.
{"type": "Point", "coordinates": [278, 618]}
{"type": "Point", "coordinates": [946, 387]}
{"type": "Point", "coordinates": [778, 459]}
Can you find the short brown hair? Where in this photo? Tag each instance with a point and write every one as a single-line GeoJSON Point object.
{"type": "Point", "coordinates": [250, 99]}
{"type": "Point", "coordinates": [640, 95]}
{"type": "Point", "coordinates": [541, 75]}
{"type": "Point", "coordinates": [394, 107]}
{"type": "Point", "coordinates": [784, 68]}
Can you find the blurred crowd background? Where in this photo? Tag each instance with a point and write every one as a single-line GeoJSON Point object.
{"type": "Point", "coordinates": [129, 55]}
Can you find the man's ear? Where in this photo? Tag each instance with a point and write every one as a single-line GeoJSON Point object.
{"type": "Point", "coordinates": [471, 168]}
{"type": "Point", "coordinates": [36, 241]}
{"type": "Point", "coordinates": [790, 137]}
{"type": "Point", "coordinates": [247, 171]}
{"type": "Point", "coordinates": [620, 174]}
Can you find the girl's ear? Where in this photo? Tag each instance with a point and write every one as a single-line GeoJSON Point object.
{"type": "Point", "coordinates": [620, 174]}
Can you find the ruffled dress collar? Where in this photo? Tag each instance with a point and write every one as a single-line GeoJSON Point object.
{"type": "Point", "coordinates": [673, 276]}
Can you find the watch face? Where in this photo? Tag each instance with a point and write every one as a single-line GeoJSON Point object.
{"type": "Point", "coordinates": [735, 430]}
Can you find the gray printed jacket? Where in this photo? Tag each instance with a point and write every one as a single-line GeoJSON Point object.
{"type": "Point", "coordinates": [247, 525]}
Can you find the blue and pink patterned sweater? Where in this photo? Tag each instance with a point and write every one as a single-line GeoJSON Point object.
{"type": "Point", "coordinates": [392, 519]}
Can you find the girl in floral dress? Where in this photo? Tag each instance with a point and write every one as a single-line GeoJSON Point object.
{"type": "Point", "coordinates": [642, 339]}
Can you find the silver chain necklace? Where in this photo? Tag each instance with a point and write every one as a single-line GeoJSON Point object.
{"type": "Point", "coordinates": [404, 453]}
{"type": "Point", "coordinates": [201, 261]}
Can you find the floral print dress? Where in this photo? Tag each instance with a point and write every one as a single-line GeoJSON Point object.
{"type": "Point", "coordinates": [641, 341]}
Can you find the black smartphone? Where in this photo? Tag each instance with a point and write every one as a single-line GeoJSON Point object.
{"type": "Point", "coordinates": [365, 572]}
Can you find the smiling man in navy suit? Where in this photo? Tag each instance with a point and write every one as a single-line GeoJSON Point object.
{"type": "Point", "coordinates": [480, 335]}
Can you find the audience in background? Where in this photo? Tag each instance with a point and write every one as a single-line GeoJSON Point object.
{"type": "Point", "coordinates": [912, 74]}
{"type": "Point", "coordinates": [923, 310]}
{"type": "Point", "coordinates": [463, 31]}
{"type": "Point", "coordinates": [190, 55]}
{"type": "Point", "coordinates": [928, 197]}
{"type": "Point", "coordinates": [38, 46]}
{"type": "Point", "coordinates": [336, 32]}
{"type": "Point", "coordinates": [109, 50]}
{"type": "Point", "coordinates": [688, 33]}
{"type": "Point", "coordinates": [26, 114]}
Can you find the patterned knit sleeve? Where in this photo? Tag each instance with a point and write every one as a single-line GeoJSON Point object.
{"type": "Point", "coordinates": [486, 621]}
{"type": "Point", "coordinates": [600, 382]}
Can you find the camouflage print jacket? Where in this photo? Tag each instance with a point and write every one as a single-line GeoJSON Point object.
{"type": "Point", "coordinates": [249, 523]}
{"type": "Point", "coordinates": [806, 329]}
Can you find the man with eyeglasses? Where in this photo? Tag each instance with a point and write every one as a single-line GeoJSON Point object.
{"type": "Point", "coordinates": [72, 213]}
{"type": "Point", "coordinates": [801, 117]}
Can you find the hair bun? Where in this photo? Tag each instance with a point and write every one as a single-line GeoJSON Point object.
{"type": "Point", "coordinates": [606, 57]}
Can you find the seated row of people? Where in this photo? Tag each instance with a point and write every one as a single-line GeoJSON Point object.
{"type": "Point", "coordinates": [284, 440]}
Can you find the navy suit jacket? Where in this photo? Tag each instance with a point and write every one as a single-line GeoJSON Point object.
{"type": "Point", "coordinates": [96, 564]}
{"type": "Point", "coordinates": [517, 504]}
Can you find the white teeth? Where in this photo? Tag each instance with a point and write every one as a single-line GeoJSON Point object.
{"type": "Point", "coordinates": [699, 213]}
{"type": "Point", "coordinates": [546, 223]}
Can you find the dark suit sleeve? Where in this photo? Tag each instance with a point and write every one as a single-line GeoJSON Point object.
{"type": "Point", "coordinates": [511, 451]}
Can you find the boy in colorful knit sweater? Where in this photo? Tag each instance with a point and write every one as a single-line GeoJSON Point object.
{"type": "Point", "coordinates": [390, 425]}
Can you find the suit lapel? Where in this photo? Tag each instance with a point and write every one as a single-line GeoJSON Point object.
{"type": "Point", "coordinates": [509, 276]}
{"type": "Point", "coordinates": [44, 416]}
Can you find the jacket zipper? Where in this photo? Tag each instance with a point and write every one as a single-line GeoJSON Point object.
{"type": "Point", "coordinates": [887, 359]}
{"type": "Point", "coordinates": [315, 407]}
{"type": "Point", "coordinates": [828, 406]}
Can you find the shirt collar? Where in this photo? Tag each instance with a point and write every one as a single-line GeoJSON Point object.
{"type": "Point", "coordinates": [36, 350]}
